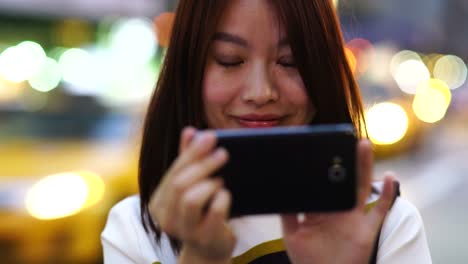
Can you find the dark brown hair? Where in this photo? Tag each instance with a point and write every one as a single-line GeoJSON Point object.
{"type": "Point", "coordinates": [316, 41]}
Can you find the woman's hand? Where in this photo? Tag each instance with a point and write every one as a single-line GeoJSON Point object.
{"type": "Point", "coordinates": [344, 237]}
{"type": "Point", "coordinates": [191, 205]}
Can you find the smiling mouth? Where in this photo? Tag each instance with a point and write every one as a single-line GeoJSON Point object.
{"type": "Point", "coordinates": [258, 121]}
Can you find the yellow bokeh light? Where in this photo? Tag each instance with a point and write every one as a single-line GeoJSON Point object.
{"type": "Point", "coordinates": [409, 74]}
{"type": "Point", "coordinates": [452, 70]}
{"type": "Point", "coordinates": [387, 123]}
{"type": "Point", "coordinates": [95, 185]}
{"type": "Point", "coordinates": [57, 196]}
{"type": "Point", "coordinates": [432, 100]}
{"type": "Point", "coordinates": [336, 3]}
{"type": "Point", "coordinates": [10, 91]}
{"type": "Point", "coordinates": [352, 61]}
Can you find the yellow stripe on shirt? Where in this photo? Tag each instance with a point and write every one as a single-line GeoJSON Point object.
{"type": "Point", "coordinates": [269, 247]}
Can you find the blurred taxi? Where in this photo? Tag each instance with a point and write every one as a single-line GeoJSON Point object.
{"type": "Point", "coordinates": [60, 174]}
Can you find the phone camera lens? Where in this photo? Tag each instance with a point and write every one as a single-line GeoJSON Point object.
{"type": "Point", "coordinates": [336, 173]}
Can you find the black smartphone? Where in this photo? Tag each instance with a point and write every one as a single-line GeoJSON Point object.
{"type": "Point", "coordinates": [290, 169]}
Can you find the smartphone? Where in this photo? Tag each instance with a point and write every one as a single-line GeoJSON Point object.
{"type": "Point", "coordinates": [290, 169]}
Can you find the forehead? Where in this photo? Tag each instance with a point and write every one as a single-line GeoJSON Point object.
{"type": "Point", "coordinates": [251, 19]}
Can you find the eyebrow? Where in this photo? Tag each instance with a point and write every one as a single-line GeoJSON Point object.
{"type": "Point", "coordinates": [226, 37]}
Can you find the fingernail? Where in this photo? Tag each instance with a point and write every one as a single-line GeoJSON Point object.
{"type": "Point", "coordinates": [189, 129]}
{"type": "Point", "coordinates": [220, 154]}
{"type": "Point", "coordinates": [199, 138]}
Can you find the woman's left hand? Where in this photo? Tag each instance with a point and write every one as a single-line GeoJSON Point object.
{"type": "Point", "coordinates": [344, 237]}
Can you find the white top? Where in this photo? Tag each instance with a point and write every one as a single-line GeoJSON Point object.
{"type": "Point", "coordinates": [402, 239]}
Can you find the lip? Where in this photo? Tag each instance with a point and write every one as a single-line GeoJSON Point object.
{"type": "Point", "coordinates": [258, 120]}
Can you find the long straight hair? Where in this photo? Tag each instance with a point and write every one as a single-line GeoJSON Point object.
{"type": "Point", "coordinates": [316, 41]}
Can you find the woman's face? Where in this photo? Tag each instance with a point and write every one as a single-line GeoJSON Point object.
{"type": "Point", "coordinates": [250, 78]}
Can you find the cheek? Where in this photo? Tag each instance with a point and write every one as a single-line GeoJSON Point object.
{"type": "Point", "coordinates": [293, 88]}
{"type": "Point", "coordinates": [218, 89]}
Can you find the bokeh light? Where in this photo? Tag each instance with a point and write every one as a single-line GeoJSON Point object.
{"type": "Point", "coordinates": [387, 123]}
{"type": "Point", "coordinates": [84, 71]}
{"type": "Point", "coordinates": [48, 77]}
{"type": "Point", "coordinates": [359, 47]}
{"type": "Point", "coordinates": [352, 61]}
{"type": "Point", "coordinates": [21, 62]}
{"type": "Point", "coordinates": [452, 70]}
{"type": "Point", "coordinates": [95, 185]}
{"type": "Point", "coordinates": [133, 41]}
{"type": "Point", "coordinates": [163, 27]}
{"type": "Point", "coordinates": [432, 100]}
{"type": "Point", "coordinates": [381, 54]}
{"type": "Point", "coordinates": [74, 63]}
{"type": "Point", "coordinates": [57, 196]}
{"type": "Point", "coordinates": [401, 57]}
{"type": "Point", "coordinates": [409, 74]}
{"type": "Point", "coordinates": [133, 85]}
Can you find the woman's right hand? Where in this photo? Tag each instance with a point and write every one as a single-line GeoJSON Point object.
{"type": "Point", "coordinates": [192, 206]}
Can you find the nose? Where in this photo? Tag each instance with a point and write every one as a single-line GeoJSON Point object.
{"type": "Point", "coordinates": [260, 88]}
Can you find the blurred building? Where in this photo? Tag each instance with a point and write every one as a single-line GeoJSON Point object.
{"type": "Point", "coordinates": [455, 26]}
{"type": "Point", "coordinates": [89, 9]}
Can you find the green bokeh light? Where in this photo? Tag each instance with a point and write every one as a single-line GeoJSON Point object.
{"type": "Point", "coordinates": [48, 77]}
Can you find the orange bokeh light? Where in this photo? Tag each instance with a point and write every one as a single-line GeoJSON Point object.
{"type": "Point", "coordinates": [351, 59]}
{"type": "Point", "coordinates": [359, 47]}
{"type": "Point", "coordinates": [163, 26]}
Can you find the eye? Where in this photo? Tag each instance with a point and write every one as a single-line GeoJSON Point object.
{"type": "Point", "coordinates": [287, 62]}
{"type": "Point", "coordinates": [230, 63]}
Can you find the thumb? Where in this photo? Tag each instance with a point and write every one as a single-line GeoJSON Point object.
{"type": "Point", "coordinates": [186, 136]}
{"type": "Point", "coordinates": [289, 223]}
{"type": "Point", "coordinates": [378, 213]}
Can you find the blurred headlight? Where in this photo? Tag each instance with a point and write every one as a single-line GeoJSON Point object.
{"type": "Point", "coordinates": [64, 194]}
{"type": "Point", "coordinates": [387, 123]}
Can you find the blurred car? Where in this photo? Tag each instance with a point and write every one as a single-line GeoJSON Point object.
{"type": "Point", "coordinates": [60, 174]}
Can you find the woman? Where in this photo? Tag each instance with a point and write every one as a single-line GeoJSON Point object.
{"type": "Point", "coordinates": [250, 63]}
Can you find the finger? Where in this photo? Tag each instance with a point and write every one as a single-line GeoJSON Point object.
{"type": "Point", "coordinates": [183, 160]}
{"type": "Point", "coordinates": [378, 213]}
{"type": "Point", "coordinates": [200, 170]}
{"type": "Point", "coordinates": [217, 214]}
{"type": "Point", "coordinates": [289, 223]}
{"type": "Point", "coordinates": [171, 192]}
{"type": "Point", "coordinates": [364, 170]}
{"type": "Point", "coordinates": [186, 137]}
{"type": "Point", "coordinates": [193, 202]}
{"type": "Point", "coordinates": [202, 144]}
{"type": "Point", "coordinates": [314, 219]}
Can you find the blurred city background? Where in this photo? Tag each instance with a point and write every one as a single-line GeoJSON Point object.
{"type": "Point", "coordinates": [75, 77]}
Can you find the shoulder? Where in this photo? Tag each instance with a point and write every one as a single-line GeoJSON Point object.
{"type": "Point", "coordinates": [403, 221]}
{"type": "Point", "coordinates": [123, 217]}
{"type": "Point", "coordinates": [124, 236]}
{"type": "Point", "coordinates": [127, 209]}
{"type": "Point", "coordinates": [402, 238]}
{"type": "Point", "coordinates": [402, 214]}
{"type": "Point", "coordinates": [401, 211]}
